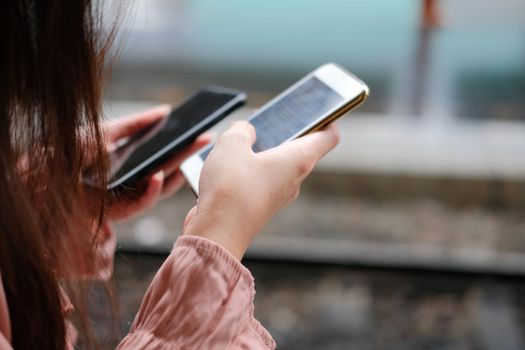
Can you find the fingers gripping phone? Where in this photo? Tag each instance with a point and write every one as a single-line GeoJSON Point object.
{"type": "Point", "coordinates": [145, 152]}
{"type": "Point", "coordinates": [309, 105]}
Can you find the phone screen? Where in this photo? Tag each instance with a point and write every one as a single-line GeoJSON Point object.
{"type": "Point", "coordinates": [181, 120]}
{"type": "Point", "coordinates": [292, 113]}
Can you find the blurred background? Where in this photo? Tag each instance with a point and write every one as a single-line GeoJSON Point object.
{"type": "Point", "coordinates": [411, 234]}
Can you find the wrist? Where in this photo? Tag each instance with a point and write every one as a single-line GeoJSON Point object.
{"type": "Point", "coordinates": [231, 226]}
{"type": "Point", "coordinates": [225, 239]}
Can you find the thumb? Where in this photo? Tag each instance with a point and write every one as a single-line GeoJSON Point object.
{"type": "Point", "coordinates": [132, 124]}
{"type": "Point", "coordinates": [240, 132]}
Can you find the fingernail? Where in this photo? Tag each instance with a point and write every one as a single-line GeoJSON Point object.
{"type": "Point", "coordinates": [209, 135]}
{"type": "Point", "coordinates": [160, 175]}
{"type": "Point", "coordinates": [166, 107]}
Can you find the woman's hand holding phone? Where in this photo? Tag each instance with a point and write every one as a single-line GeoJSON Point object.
{"type": "Point", "coordinates": [240, 191]}
{"type": "Point", "coordinates": [161, 184]}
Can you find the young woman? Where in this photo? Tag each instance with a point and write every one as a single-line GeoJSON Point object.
{"type": "Point", "coordinates": [55, 233]}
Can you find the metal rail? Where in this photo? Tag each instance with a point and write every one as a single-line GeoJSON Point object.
{"type": "Point", "coordinates": [374, 256]}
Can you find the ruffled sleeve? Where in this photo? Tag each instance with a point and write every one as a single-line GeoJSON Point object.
{"type": "Point", "coordinates": [201, 298]}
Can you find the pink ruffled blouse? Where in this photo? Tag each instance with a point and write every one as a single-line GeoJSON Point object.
{"type": "Point", "coordinates": [201, 298]}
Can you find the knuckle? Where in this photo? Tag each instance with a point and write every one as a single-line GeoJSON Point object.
{"type": "Point", "coordinates": [336, 135]}
{"type": "Point", "coordinates": [304, 167]}
{"type": "Point", "coordinates": [296, 193]}
{"type": "Point", "coordinates": [246, 130]}
{"type": "Point", "coordinates": [290, 194]}
{"type": "Point", "coordinates": [249, 127]}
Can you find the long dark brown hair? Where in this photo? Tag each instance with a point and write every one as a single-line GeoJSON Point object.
{"type": "Point", "coordinates": [52, 56]}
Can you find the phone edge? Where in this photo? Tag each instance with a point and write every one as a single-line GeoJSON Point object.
{"type": "Point", "coordinates": [238, 101]}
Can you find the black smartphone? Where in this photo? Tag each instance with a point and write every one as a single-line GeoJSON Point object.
{"type": "Point", "coordinates": [144, 152]}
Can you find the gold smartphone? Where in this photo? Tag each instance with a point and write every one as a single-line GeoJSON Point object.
{"type": "Point", "coordinates": [309, 105]}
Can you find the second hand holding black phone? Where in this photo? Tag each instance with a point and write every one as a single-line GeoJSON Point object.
{"type": "Point", "coordinates": [145, 152]}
